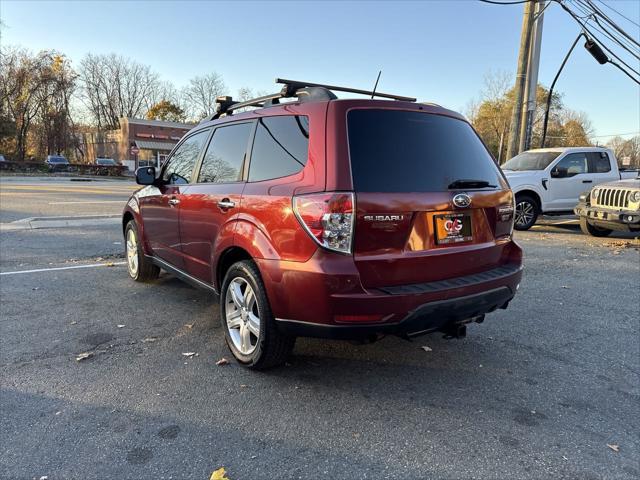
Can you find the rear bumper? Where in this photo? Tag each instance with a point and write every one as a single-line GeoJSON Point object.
{"type": "Point", "coordinates": [429, 317]}
{"type": "Point", "coordinates": [313, 298]}
{"type": "Point", "coordinates": [619, 220]}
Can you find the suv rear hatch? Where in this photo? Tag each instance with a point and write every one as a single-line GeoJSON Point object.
{"type": "Point", "coordinates": [407, 167]}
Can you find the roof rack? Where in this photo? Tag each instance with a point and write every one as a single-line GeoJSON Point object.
{"type": "Point", "coordinates": [304, 91]}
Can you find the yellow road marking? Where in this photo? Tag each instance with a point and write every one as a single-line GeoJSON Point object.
{"type": "Point", "coordinates": [31, 190]}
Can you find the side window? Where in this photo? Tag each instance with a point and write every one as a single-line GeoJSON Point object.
{"type": "Point", "coordinates": [225, 155]}
{"type": "Point", "coordinates": [599, 162]}
{"type": "Point", "coordinates": [180, 166]}
{"type": "Point", "coordinates": [280, 148]}
{"type": "Point", "coordinates": [572, 164]}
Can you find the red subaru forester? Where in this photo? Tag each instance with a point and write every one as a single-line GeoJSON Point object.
{"type": "Point", "coordinates": [326, 217]}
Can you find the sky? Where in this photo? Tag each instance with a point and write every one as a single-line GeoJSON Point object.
{"type": "Point", "coordinates": [437, 51]}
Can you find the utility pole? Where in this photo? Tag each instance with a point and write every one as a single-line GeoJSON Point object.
{"type": "Point", "coordinates": [531, 86]}
{"type": "Point", "coordinates": [521, 76]}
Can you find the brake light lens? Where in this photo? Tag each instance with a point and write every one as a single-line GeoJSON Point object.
{"type": "Point", "coordinates": [505, 216]}
{"type": "Point", "coordinates": [328, 218]}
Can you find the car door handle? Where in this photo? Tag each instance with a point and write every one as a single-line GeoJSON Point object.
{"type": "Point", "coordinates": [226, 203]}
{"type": "Point", "coordinates": [173, 202]}
{"type": "Point", "coordinates": [587, 181]}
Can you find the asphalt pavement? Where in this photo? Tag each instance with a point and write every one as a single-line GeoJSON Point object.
{"type": "Point", "coordinates": [549, 388]}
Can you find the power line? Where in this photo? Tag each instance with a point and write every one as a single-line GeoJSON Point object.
{"type": "Point", "coordinates": [504, 3]}
{"type": "Point", "coordinates": [590, 15]}
{"type": "Point", "coordinates": [600, 43]}
{"type": "Point", "coordinates": [611, 22]}
{"type": "Point", "coordinates": [623, 16]}
{"type": "Point", "coordinates": [616, 134]}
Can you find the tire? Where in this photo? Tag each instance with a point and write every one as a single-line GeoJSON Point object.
{"type": "Point", "coordinates": [592, 230]}
{"type": "Point", "coordinates": [527, 211]}
{"type": "Point", "coordinates": [140, 268]}
{"type": "Point", "coordinates": [249, 326]}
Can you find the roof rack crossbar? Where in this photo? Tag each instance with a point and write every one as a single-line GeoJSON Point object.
{"type": "Point", "coordinates": [293, 88]}
{"type": "Point", "coordinates": [293, 85]}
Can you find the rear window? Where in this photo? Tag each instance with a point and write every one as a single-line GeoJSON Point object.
{"type": "Point", "coordinates": [400, 151]}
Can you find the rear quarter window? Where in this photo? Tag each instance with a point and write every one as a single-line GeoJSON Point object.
{"type": "Point", "coordinates": [280, 148]}
{"type": "Point", "coordinates": [402, 151]}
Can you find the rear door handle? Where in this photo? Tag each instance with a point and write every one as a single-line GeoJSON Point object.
{"type": "Point", "coordinates": [173, 202]}
{"type": "Point", "coordinates": [587, 181]}
{"type": "Point", "coordinates": [226, 203]}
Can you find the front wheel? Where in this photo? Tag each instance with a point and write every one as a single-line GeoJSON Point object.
{"type": "Point", "coordinates": [592, 230]}
{"type": "Point", "coordinates": [526, 212]}
{"type": "Point", "coordinates": [249, 326]}
{"type": "Point", "coordinates": [140, 268]}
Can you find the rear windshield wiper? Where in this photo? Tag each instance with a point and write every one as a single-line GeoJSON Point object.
{"type": "Point", "coordinates": [470, 183]}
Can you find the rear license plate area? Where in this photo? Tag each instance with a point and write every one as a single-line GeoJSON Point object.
{"type": "Point", "coordinates": [452, 228]}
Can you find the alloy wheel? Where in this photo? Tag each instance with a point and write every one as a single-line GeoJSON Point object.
{"type": "Point", "coordinates": [242, 315]}
{"type": "Point", "coordinates": [525, 212]}
{"type": "Point", "coordinates": [132, 253]}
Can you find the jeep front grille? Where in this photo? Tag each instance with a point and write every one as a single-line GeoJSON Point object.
{"type": "Point", "coordinates": [612, 198]}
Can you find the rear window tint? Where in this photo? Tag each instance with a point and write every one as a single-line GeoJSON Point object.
{"type": "Point", "coordinates": [400, 151]}
{"type": "Point", "coordinates": [280, 148]}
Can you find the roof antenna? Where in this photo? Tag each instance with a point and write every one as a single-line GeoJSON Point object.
{"type": "Point", "coordinates": [376, 85]}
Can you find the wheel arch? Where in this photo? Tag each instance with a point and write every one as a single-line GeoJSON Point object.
{"type": "Point", "coordinates": [126, 218]}
{"type": "Point", "coordinates": [227, 258]}
{"type": "Point", "coordinates": [531, 193]}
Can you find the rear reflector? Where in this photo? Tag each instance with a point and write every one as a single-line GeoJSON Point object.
{"type": "Point", "coordinates": [357, 318]}
{"type": "Point", "coordinates": [328, 218]}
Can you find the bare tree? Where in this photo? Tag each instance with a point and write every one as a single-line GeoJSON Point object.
{"type": "Point", "coordinates": [200, 95]}
{"type": "Point", "coordinates": [628, 150]}
{"type": "Point", "coordinates": [165, 91]}
{"type": "Point", "coordinates": [35, 89]}
{"type": "Point", "coordinates": [114, 86]}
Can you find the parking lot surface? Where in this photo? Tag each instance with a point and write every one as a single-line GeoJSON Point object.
{"type": "Point", "coordinates": [549, 388]}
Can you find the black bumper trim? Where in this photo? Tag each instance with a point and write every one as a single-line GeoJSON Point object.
{"type": "Point", "coordinates": [466, 281]}
{"type": "Point", "coordinates": [426, 318]}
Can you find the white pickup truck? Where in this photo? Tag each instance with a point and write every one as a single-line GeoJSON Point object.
{"type": "Point", "coordinates": [550, 180]}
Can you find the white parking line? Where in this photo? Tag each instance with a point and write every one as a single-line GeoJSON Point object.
{"type": "Point", "coordinates": [93, 265]}
{"type": "Point", "coordinates": [85, 202]}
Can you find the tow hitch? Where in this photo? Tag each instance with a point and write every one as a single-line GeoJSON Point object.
{"type": "Point", "coordinates": [454, 331]}
{"type": "Point", "coordinates": [459, 330]}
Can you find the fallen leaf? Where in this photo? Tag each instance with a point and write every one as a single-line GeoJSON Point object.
{"type": "Point", "coordinates": [110, 264]}
{"type": "Point", "coordinates": [189, 354]}
{"type": "Point", "coordinates": [426, 349]}
{"type": "Point", "coordinates": [219, 474]}
{"type": "Point", "coordinates": [84, 356]}
{"type": "Point", "coordinates": [222, 361]}
{"type": "Point", "coordinates": [189, 325]}
{"type": "Point", "coordinates": [121, 326]}
{"type": "Point", "coordinates": [615, 448]}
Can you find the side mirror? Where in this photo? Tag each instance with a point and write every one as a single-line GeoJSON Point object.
{"type": "Point", "coordinates": [146, 175]}
{"type": "Point", "coordinates": [557, 173]}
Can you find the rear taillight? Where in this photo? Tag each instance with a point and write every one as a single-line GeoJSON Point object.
{"type": "Point", "coordinates": [328, 218]}
{"type": "Point", "coordinates": [505, 217]}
